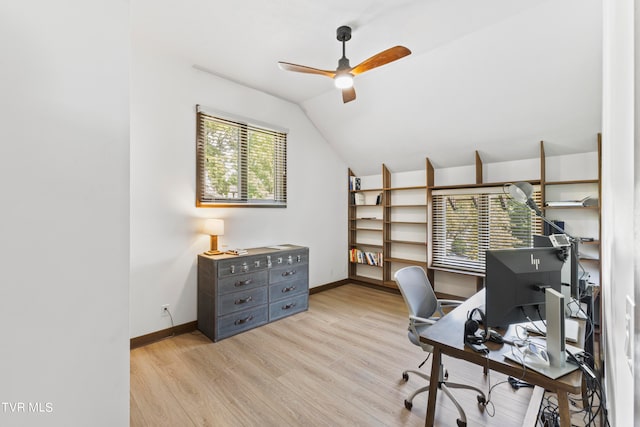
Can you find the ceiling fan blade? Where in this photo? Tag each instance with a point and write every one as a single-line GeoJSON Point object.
{"type": "Point", "coordinates": [348, 94]}
{"type": "Point", "coordinates": [303, 69]}
{"type": "Point", "coordinates": [382, 58]}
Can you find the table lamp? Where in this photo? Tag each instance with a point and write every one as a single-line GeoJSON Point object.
{"type": "Point", "coordinates": [214, 228]}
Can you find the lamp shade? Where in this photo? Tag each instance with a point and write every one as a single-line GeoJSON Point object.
{"type": "Point", "coordinates": [521, 192]}
{"type": "Point", "coordinates": [214, 227]}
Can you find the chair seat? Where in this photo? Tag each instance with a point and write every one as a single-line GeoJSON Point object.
{"type": "Point", "coordinates": [415, 340]}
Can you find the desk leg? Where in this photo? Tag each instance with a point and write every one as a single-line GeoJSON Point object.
{"type": "Point", "coordinates": [436, 361]}
{"type": "Point", "coordinates": [563, 407]}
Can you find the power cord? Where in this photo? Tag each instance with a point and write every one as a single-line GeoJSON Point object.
{"type": "Point", "coordinates": [173, 333]}
{"type": "Point", "coordinates": [488, 402]}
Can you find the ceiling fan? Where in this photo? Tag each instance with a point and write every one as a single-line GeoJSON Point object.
{"type": "Point", "coordinates": [343, 75]}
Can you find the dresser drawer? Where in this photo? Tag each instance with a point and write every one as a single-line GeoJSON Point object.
{"type": "Point", "coordinates": [288, 289]}
{"type": "Point", "coordinates": [290, 258]}
{"type": "Point", "coordinates": [288, 273]}
{"type": "Point", "coordinates": [241, 265]}
{"type": "Point", "coordinates": [242, 282]}
{"type": "Point", "coordinates": [288, 306]}
{"type": "Point", "coordinates": [241, 321]}
{"type": "Point", "coordinates": [243, 300]}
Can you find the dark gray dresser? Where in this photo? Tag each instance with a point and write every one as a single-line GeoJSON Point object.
{"type": "Point", "coordinates": [241, 292]}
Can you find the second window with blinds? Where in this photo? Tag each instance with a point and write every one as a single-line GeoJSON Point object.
{"type": "Point", "coordinates": [468, 221]}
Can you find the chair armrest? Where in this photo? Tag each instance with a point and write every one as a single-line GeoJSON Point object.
{"type": "Point", "coordinates": [422, 320]}
{"type": "Point", "coordinates": [449, 302]}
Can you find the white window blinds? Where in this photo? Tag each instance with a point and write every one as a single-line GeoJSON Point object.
{"type": "Point", "coordinates": [240, 164]}
{"type": "Point", "coordinates": [467, 222]}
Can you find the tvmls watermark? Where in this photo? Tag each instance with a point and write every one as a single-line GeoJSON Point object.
{"type": "Point", "coordinates": [26, 407]}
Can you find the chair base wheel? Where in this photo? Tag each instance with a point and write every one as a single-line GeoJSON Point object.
{"type": "Point", "coordinates": [408, 404]}
{"type": "Point", "coordinates": [461, 423]}
{"type": "Point", "coordinates": [405, 376]}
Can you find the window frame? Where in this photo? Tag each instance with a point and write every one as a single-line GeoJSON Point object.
{"type": "Point", "coordinates": [244, 128]}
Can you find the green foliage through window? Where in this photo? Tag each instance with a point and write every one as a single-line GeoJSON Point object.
{"type": "Point", "coordinates": [240, 164]}
{"type": "Point", "coordinates": [467, 223]}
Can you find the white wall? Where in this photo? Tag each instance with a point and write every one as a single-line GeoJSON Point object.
{"type": "Point", "coordinates": [619, 247]}
{"type": "Point", "coordinates": [64, 224]}
{"type": "Point", "coordinates": [165, 235]}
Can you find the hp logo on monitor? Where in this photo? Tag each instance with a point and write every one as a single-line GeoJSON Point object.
{"type": "Point", "coordinates": [535, 261]}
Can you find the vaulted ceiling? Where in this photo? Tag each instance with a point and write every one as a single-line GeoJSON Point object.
{"type": "Point", "coordinates": [495, 76]}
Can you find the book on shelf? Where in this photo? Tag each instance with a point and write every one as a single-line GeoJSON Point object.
{"type": "Point", "coordinates": [354, 183]}
{"type": "Point", "coordinates": [365, 257]}
{"type": "Point", "coordinates": [587, 201]}
{"type": "Point", "coordinates": [359, 199]}
{"type": "Point", "coordinates": [380, 199]}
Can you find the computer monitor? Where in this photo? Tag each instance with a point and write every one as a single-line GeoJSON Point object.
{"type": "Point", "coordinates": [515, 283]}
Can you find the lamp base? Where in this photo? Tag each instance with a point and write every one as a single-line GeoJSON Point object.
{"type": "Point", "coordinates": [213, 252]}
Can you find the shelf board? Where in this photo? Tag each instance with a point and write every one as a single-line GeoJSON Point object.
{"type": "Point", "coordinates": [488, 184]}
{"type": "Point", "coordinates": [407, 261]}
{"type": "Point", "coordinates": [366, 219]}
{"type": "Point", "coordinates": [407, 242]}
{"type": "Point", "coordinates": [409, 206]}
{"type": "Point", "coordinates": [365, 229]}
{"type": "Point", "coordinates": [368, 245]}
{"type": "Point", "coordinates": [365, 204]}
{"type": "Point", "coordinates": [590, 242]}
{"type": "Point", "coordinates": [414, 187]}
{"type": "Point", "coordinates": [364, 263]}
{"type": "Point", "coordinates": [366, 189]}
{"type": "Point", "coordinates": [407, 222]}
{"type": "Point", "coordinates": [575, 181]}
{"type": "Point", "coordinates": [595, 208]}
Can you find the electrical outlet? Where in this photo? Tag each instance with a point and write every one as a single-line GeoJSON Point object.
{"type": "Point", "coordinates": [164, 310]}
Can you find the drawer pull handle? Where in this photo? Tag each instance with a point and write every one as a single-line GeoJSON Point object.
{"type": "Point", "coordinates": [289, 289]}
{"type": "Point", "coordinates": [242, 321]}
{"type": "Point", "coordinates": [288, 273]}
{"type": "Point", "coordinates": [242, 283]}
{"type": "Point", "coordinates": [289, 306]}
{"type": "Point", "coordinates": [243, 300]}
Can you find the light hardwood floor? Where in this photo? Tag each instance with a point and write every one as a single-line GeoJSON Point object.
{"type": "Point", "coordinates": [338, 364]}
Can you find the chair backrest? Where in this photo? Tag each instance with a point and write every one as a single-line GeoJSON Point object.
{"type": "Point", "coordinates": [417, 291]}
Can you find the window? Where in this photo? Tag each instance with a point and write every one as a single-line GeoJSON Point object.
{"type": "Point", "coordinates": [239, 164]}
{"type": "Point", "coordinates": [467, 222]}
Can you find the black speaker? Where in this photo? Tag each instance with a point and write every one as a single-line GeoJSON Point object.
{"type": "Point", "coordinates": [471, 326]}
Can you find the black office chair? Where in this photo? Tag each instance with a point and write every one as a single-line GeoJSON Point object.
{"type": "Point", "coordinates": [423, 305]}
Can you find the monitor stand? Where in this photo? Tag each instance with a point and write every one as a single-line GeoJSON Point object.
{"type": "Point", "coordinates": [558, 365]}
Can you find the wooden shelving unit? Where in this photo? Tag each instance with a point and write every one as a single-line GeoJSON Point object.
{"type": "Point", "coordinates": [403, 231]}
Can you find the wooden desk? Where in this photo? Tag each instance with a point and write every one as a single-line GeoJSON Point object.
{"type": "Point", "coordinates": [446, 337]}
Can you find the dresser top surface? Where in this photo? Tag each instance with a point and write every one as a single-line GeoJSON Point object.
{"type": "Point", "coordinates": [274, 249]}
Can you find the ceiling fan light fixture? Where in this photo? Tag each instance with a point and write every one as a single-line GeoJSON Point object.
{"type": "Point", "coordinates": [343, 81]}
